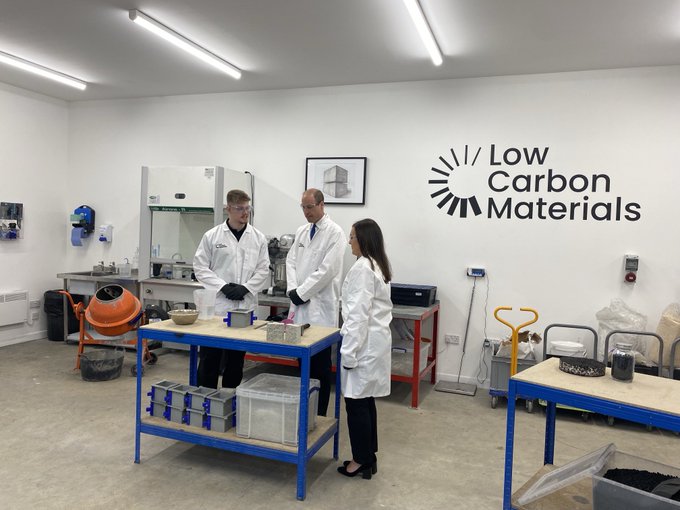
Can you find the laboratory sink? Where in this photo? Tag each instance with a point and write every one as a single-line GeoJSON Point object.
{"type": "Point", "coordinates": [94, 273]}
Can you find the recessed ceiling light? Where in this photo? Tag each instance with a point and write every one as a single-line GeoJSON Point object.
{"type": "Point", "coordinates": [45, 72]}
{"type": "Point", "coordinates": [424, 30]}
{"type": "Point", "coordinates": [182, 42]}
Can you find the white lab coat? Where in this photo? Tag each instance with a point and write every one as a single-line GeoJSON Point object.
{"type": "Point", "coordinates": [221, 259]}
{"type": "Point", "coordinates": [314, 268]}
{"type": "Point", "coordinates": [366, 338]}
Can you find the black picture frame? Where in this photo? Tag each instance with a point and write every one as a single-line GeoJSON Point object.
{"type": "Point", "coordinates": [342, 179]}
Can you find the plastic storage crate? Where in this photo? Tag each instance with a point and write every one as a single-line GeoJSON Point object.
{"type": "Point", "coordinates": [610, 495]}
{"type": "Point", "coordinates": [268, 408]}
{"type": "Point", "coordinates": [606, 494]}
{"type": "Point", "coordinates": [500, 371]}
{"type": "Point", "coordinates": [402, 356]}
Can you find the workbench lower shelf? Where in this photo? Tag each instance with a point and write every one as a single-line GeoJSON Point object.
{"type": "Point", "coordinates": [325, 428]}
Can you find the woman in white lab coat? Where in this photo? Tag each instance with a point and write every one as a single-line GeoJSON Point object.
{"type": "Point", "coordinates": [366, 344]}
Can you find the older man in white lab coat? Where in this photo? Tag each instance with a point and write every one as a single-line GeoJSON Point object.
{"type": "Point", "coordinates": [232, 258]}
{"type": "Point", "coordinates": [314, 272]}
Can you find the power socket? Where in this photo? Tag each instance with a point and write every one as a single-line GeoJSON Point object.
{"type": "Point", "coordinates": [35, 303]}
{"type": "Point", "coordinates": [452, 339]}
{"type": "Point", "coordinates": [35, 315]}
{"type": "Point", "coordinates": [476, 272]}
{"type": "Point", "coordinates": [487, 343]}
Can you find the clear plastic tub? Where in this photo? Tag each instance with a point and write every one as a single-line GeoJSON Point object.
{"type": "Point", "coordinates": [611, 495]}
{"type": "Point", "coordinates": [606, 494]}
{"type": "Point", "coordinates": [268, 408]}
{"type": "Point", "coordinates": [568, 474]}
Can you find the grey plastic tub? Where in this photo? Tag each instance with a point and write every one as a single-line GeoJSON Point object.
{"type": "Point", "coordinates": [220, 403]}
{"type": "Point", "coordinates": [220, 423]}
{"type": "Point", "coordinates": [177, 394]}
{"type": "Point", "coordinates": [196, 398]}
{"type": "Point", "coordinates": [160, 389]}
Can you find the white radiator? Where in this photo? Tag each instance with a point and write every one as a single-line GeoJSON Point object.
{"type": "Point", "coordinates": [13, 307]}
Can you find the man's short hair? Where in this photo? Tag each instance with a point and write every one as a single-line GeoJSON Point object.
{"type": "Point", "coordinates": [318, 195]}
{"type": "Point", "coordinates": [236, 196]}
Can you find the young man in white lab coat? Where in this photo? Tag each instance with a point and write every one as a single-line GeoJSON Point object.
{"type": "Point", "coordinates": [231, 258]}
{"type": "Point", "coordinates": [314, 272]}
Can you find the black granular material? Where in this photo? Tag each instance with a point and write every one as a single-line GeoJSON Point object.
{"type": "Point", "coordinates": [639, 479]}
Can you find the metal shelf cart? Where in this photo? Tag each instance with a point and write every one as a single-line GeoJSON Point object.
{"type": "Point", "coordinates": [647, 400]}
{"type": "Point", "coordinates": [214, 333]}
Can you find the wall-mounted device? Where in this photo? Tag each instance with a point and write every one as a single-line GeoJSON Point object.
{"type": "Point", "coordinates": [476, 272]}
{"type": "Point", "coordinates": [630, 267]}
{"type": "Point", "coordinates": [11, 214]}
{"type": "Point", "coordinates": [106, 233]}
{"type": "Point", "coordinates": [82, 221]}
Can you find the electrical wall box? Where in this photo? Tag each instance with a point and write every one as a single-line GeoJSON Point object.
{"type": "Point", "coordinates": [631, 262]}
{"type": "Point", "coordinates": [476, 272]}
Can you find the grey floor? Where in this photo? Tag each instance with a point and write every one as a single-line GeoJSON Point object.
{"type": "Point", "coordinates": [67, 443]}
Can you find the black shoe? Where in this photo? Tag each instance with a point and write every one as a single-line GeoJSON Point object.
{"type": "Point", "coordinates": [364, 469]}
{"type": "Point", "coordinates": [374, 466]}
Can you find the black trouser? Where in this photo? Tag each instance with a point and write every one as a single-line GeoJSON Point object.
{"type": "Point", "coordinates": [209, 364]}
{"type": "Point", "coordinates": [320, 368]}
{"type": "Point", "coordinates": [362, 425]}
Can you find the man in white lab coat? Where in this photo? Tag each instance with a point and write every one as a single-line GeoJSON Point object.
{"type": "Point", "coordinates": [231, 258]}
{"type": "Point", "coordinates": [314, 272]}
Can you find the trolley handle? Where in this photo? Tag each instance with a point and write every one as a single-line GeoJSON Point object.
{"type": "Point", "coordinates": [638, 333]}
{"type": "Point", "coordinates": [671, 371]}
{"type": "Point", "coordinates": [569, 326]}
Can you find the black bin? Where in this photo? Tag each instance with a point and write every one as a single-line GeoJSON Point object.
{"type": "Point", "coordinates": [53, 306]}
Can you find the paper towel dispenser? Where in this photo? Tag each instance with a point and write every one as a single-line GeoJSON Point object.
{"type": "Point", "coordinates": [83, 217]}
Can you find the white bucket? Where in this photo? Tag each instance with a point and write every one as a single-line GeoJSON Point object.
{"type": "Point", "coordinates": [205, 303]}
{"type": "Point", "coordinates": [565, 348]}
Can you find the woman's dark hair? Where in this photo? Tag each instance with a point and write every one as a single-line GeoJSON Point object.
{"type": "Point", "coordinates": [371, 244]}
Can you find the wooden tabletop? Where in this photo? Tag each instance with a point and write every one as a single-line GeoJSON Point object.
{"type": "Point", "coordinates": [645, 391]}
{"type": "Point", "coordinates": [215, 327]}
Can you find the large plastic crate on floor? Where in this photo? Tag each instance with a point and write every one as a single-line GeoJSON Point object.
{"type": "Point", "coordinates": [268, 408]}
{"type": "Point", "coordinates": [500, 371]}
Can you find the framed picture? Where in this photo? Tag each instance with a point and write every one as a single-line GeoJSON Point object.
{"type": "Point", "coordinates": [342, 180]}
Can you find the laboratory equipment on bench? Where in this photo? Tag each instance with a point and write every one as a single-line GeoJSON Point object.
{"type": "Point", "coordinates": [278, 251]}
{"type": "Point", "coordinates": [112, 312]}
{"type": "Point", "coordinates": [82, 221]}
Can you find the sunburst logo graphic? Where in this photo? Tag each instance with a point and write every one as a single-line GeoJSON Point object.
{"type": "Point", "coordinates": [454, 202]}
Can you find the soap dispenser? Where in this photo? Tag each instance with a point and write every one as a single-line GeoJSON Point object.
{"type": "Point", "coordinates": [106, 233]}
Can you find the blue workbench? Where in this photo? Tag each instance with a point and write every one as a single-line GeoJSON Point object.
{"type": "Point", "coordinates": [214, 333]}
{"type": "Point", "coordinates": [648, 399]}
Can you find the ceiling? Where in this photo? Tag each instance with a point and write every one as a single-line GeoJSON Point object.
{"type": "Point", "coordinates": [281, 44]}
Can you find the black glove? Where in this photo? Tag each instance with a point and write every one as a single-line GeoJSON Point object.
{"type": "Point", "coordinates": [234, 291]}
{"type": "Point", "coordinates": [293, 295]}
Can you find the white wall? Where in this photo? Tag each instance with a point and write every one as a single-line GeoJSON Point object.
{"type": "Point", "coordinates": [622, 123]}
{"type": "Point", "coordinates": [33, 166]}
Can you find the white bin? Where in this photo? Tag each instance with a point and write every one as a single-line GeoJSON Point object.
{"type": "Point", "coordinates": [268, 408]}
